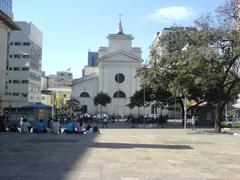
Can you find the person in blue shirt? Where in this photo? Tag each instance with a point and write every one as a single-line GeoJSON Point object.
{"type": "Point", "coordinates": [40, 127]}
{"type": "Point", "coordinates": [70, 128]}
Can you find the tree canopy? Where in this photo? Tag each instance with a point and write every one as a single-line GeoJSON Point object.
{"type": "Point", "coordinates": [200, 62]}
{"type": "Point", "coordinates": [102, 99]}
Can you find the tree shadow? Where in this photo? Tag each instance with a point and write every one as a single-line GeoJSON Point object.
{"type": "Point", "coordinates": [48, 156]}
{"type": "Point", "coordinates": [131, 146]}
{"type": "Point", "coordinates": [41, 156]}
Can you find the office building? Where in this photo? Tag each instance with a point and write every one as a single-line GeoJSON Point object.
{"type": "Point", "coordinates": [92, 59]}
{"type": "Point", "coordinates": [6, 25]}
{"type": "Point", "coordinates": [25, 65]}
{"type": "Point", "coordinates": [6, 7]}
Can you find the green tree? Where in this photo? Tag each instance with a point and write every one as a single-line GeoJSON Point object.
{"type": "Point", "coordinates": [72, 105]}
{"type": "Point", "coordinates": [138, 99]}
{"type": "Point", "coordinates": [202, 62]}
{"type": "Point", "coordinates": [102, 99]}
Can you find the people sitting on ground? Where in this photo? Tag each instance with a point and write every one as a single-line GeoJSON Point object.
{"type": "Point", "coordinates": [13, 128]}
{"type": "Point", "coordinates": [95, 130]}
{"type": "Point", "coordinates": [56, 127]}
{"type": "Point", "coordinates": [40, 127]}
{"type": "Point", "coordinates": [2, 124]}
{"type": "Point", "coordinates": [70, 128]}
{"type": "Point", "coordinates": [49, 123]}
{"type": "Point", "coordinates": [25, 126]}
{"type": "Point", "coordinates": [89, 130]}
{"type": "Point", "coordinates": [80, 126]}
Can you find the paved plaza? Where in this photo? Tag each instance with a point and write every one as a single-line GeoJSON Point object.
{"type": "Point", "coordinates": [121, 154]}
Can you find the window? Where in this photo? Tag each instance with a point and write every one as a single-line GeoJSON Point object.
{"type": "Point", "coordinates": [10, 56]}
{"type": "Point", "coordinates": [26, 43]}
{"type": "Point", "coordinates": [17, 43]}
{"type": "Point", "coordinates": [24, 81]}
{"type": "Point", "coordinates": [11, 43]}
{"type": "Point", "coordinates": [119, 94]}
{"type": "Point", "coordinates": [84, 94]}
{"type": "Point", "coordinates": [10, 68]}
{"type": "Point", "coordinates": [17, 56]}
{"type": "Point", "coordinates": [84, 109]}
{"type": "Point", "coordinates": [16, 81]}
{"type": "Point", "coordinates": [25, 56]}
{"type": "Point", "coordinates": [15, 94]}
{"type": "Point", "coordinates": [24, 94]}
{"type": "Point", "coordinates": [16, 68]}
{"type": "Point", "coordinates": [9, 81]}
{"type": "Point", "coordinates": [25, 69]}
{"type": "Point", "coordinates": [119, 78]}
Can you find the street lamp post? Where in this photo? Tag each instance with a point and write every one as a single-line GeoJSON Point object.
{"type": "Point", "coordinates": [144, 94]}
{"type": "Point", "coordinates": [185, 112]}
{"type": "Point", "coordinates": [144, 104]}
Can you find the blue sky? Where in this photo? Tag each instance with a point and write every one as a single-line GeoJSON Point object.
{"type": "Point", "coordinates": [70, 28]}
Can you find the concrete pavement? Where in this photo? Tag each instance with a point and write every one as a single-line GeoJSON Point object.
{"type": "Point", "coordinates": [121, 154]}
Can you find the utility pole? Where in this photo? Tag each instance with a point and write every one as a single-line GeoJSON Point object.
{"type": "Point", "coordinates": [185, 112]}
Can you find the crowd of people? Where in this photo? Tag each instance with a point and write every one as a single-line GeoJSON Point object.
{"type": "Point", "coordinates": [53, 126]}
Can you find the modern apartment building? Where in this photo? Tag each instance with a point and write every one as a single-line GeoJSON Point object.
{"type": "Point", "coordinates": [25, 65]}
{"type": "Point", "coordinates": [92, 59]}
{"type": "Point", "coordinates": [63, 79]}
{"type": "Point", "coordinates": [6, 7]}
{"type": "Point", "coordinates": [6, 25]}
{"type": "Point", "coordinates": [92, 66]}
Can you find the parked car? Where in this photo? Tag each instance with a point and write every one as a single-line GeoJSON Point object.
{"type": "Point", "coordinates": [232, 123]}
{"type": "Point", "coordinates": [98, 117]}
{"type": "Point", "coordinates": [152, 116]}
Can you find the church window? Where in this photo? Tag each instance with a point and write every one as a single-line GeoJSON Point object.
{"type": "Point", "coordinates": [84, 94]}
{"type": "Point", "coordinates": [119, 78]}
{"type": "Point", "coordinates": [119, 94]}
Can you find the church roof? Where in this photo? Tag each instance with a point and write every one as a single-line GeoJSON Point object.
{"type": "Point", "coordinates": [85, 78]}
{"type": "Point", "coordinates": [119, 52]}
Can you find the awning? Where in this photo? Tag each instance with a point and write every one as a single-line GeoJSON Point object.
{"type": "Point", "coordinates": [37, 105]}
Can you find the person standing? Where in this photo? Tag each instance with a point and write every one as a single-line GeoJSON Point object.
{"type": "Point", "coordinates": [21, 120]}
{"type": "Point", "coordinates": [105, 121]}
{"type": "Point", "coordinates": [113, 118]}
{"type": "Point", "coordinates": [193, 120]}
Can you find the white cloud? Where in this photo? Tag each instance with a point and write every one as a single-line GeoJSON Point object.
{"type": "Point", "coordinates": [172, 14]}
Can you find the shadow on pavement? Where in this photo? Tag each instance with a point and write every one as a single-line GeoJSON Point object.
{"type": "Point", "coordinates": [41, 156]}
{"type": "Point", "coordinates": [130, 146]}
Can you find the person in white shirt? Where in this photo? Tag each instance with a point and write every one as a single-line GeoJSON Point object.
{"type": "Point", "coordinates": [193, 123]}
{"type": "Point", "coordinates": [25, 126]}
{"type": "Point", "coordinates": [56, 127]}
{"type": "Point", "coordinates": [21, 120]}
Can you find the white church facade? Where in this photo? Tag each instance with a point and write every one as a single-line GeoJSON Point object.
{"type": "Point", "coordinates": [114, 75]}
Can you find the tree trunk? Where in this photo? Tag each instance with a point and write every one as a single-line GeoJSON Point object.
{"type": "Point", "coordinates": [182, 109]}
{"type": "Point", "coordinates": [219, 116]}
{"type": "Point", "coordinates": [138, 112]}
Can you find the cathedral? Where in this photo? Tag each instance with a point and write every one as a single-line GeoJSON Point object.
{"type": "Point", "coordinates": [115, 75]}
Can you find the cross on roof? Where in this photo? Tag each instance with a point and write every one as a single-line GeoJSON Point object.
{"type": "Point", "coordinates": [120, 16]}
